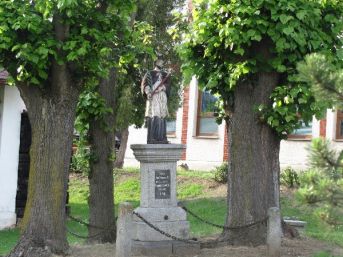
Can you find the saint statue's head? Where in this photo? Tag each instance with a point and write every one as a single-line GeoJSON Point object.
{"type": "Point", "coordinates": [159, 63]}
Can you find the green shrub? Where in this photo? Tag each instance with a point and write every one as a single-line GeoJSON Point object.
{"type": "Point", "coordinates": [289, 178]}
{"type": "Point", "coordinates": [310, 177]}
{"type": "Point", "coordinates": [314, 186]}
{"type": "Point", "coordinates": [221, 173]}
{"type": "Point", "coordinates": [308, 194]}
{"type": "Point", "coordinates": [80, 160]}
{"type": "Point", "coordinates": [323, 184]}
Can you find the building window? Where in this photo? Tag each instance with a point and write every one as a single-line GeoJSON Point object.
{"type": "Point", "coordinates": [206, 120]}
{"type": "Point", "coordinates": [171, 127]}
{"type": "Point", "coordinates": [339, 125]}
{"type": "Point", "coordinates": [303, 133]}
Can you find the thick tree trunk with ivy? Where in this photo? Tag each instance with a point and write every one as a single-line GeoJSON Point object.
{"type": "Point", "coordinates": [52, 117]}
{"type": "Point", "coordinates": [102, 139]}
{"type": "Point", "coordinates": [119, 163]}
{"type": "Point", "coordinates": [254, 163]}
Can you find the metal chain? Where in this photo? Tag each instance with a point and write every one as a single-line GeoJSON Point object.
{"type": "Point", "coordinates": [80, 236]}
{"type": "Point", "coordinates": [86, 224]}
{"type": "Point", "coordinates": [188, 241]}
{"type": "Point", "coordinates": [223, 226]}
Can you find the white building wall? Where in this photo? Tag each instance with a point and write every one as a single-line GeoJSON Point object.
{"type": "Point", "coordinates": [203, 153]}
{"type": "Point", "coordinates": [139, 136]}
{"type": "Point", "coordinates": [293, 152]}
{"type": "Point", "coordinates": [12, 107]}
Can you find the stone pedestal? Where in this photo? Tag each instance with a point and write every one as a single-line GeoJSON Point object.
{"type": "Point", "coordinates": [158, 164]}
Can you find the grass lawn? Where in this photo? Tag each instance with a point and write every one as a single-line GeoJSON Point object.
{"type": "Point", "coordinates": [199, 193]}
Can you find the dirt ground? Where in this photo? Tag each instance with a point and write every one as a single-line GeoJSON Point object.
{"type": "Point", "coordinates": [303, 247]}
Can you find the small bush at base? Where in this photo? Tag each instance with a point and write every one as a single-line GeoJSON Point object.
{"type": "Point", "coordinates": [289, 178]}
{"type": "Point", "coordinates": [221, 173]}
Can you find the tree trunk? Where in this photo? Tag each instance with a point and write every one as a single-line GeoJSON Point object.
{"type": "Point", "coordinates": [254, 164]}
{"type": "Point", "coordinates": [43, 225]}
{"type": "Point", "coordinates": [102, 141]}
{"type": "Point", "coordinates": [253, 184]}
{"type": "Point", "coordinates": [119, 163]}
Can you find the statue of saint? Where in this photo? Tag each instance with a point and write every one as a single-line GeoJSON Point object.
{"type": "Point", "coordinates": [155, 86]}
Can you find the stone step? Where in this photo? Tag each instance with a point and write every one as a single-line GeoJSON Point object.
{"type": "Point", "coordinates": [295, 223]}
{"type": "Point", "coordinates": [164, 248]}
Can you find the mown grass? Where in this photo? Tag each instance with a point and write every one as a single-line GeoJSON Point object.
{"type": "Point", "coordinates": [315, 227]}
{"type": "Point", "coordinates": [8, 239]}
{"type": "Point", "coordinates": [194, 197]}
{"type": "Point", "coordinates": [325, 254]}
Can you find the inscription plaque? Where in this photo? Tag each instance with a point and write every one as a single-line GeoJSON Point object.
{"type": "Point", "coordinates": [162, 184]}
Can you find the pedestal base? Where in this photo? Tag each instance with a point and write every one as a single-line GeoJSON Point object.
{"type": "Point", "coordinates": [171, 220]}
{"type": "Point", "coordinates": [158, 204]}
{"type": "Point", "coordinates": [164, 249]}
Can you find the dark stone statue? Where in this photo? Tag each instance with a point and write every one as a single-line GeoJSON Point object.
{"type": "Point", "coordinates": [155, 86]}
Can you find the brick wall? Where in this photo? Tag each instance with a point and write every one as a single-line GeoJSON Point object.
{"type": "Point", "coordinates": [322, 128]}
{"type": "Point", "coordinates": [184, 130]}
{"type": "Point", "coordinates": [226, 146]}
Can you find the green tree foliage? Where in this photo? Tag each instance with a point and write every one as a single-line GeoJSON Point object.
{"type": "Point", "coordinates": [219, 49]}
{"type": "Point", "coordinates": [158, 14]}
{"type": "Point", "coordinates": [145, 36]}
{"type": "Point", "coordinates": [247, 51]}
{"type": "Point", "coordinates": [52, 49]}
{"type": "Point", "coordinates": [135, 41]}
{"type": "Point", "coordinates": [323, 185]}
{"type": "Point", "coordinates": [29, 44]}
{"type": "Point", "coordinates": [325, 77]}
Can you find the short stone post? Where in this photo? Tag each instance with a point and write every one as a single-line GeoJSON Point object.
{"type": "Point", "coordinates": [124, 230]}
{"type": "Point", "coordinates": [274, 232]}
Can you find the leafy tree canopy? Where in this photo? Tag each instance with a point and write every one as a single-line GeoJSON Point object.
{"type": "Point", "coordinates": [30, 40]}
{"type": "Point", "coordinates": [220, 45]}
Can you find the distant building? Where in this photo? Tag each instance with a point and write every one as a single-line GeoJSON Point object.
{"type": "Point", "coordinates": [207, 142]}
{"type": "Point", "coordinates": [11, 108]}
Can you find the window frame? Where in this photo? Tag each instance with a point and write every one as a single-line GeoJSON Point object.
{"type": "Point", "coordinates": [306, 137]}
{"type": "Point", "coordinates": [198, 119]}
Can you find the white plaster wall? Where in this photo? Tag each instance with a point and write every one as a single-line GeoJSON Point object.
{"type": "Point", "coordinates": [293, 153]}
{"type": "Point", "coordinates": [139, 136]}
{"type": "Point", "coordinates": [9, 154]}
{"type": "Point", "coordinates": [331, 118]}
